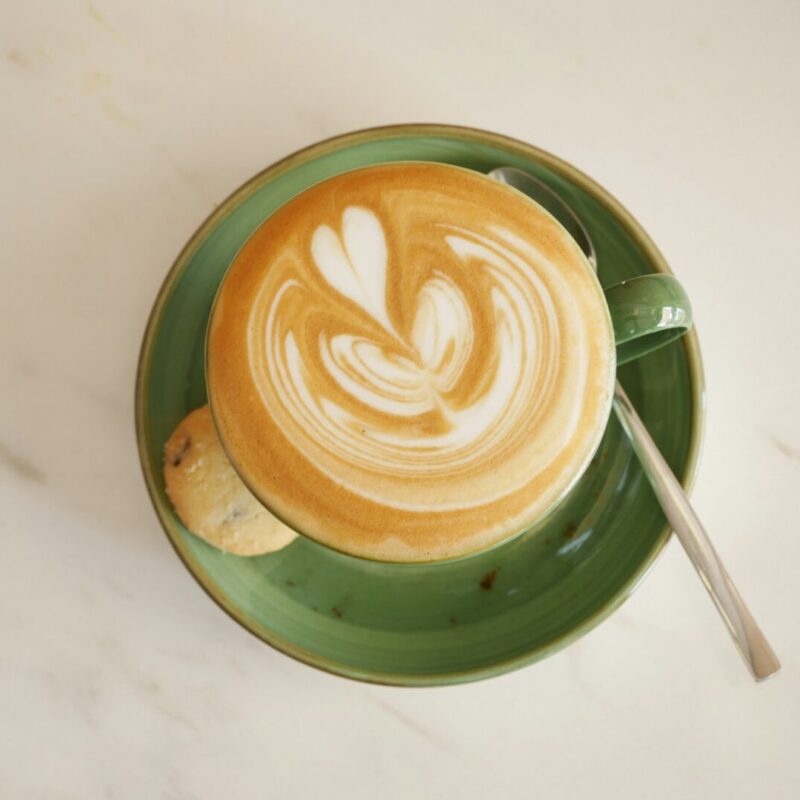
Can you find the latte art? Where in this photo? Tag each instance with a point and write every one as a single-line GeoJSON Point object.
{"type": "Point", "coordinates": [403, 403]}
{"type": "Point", "coordinates": [409, 362]}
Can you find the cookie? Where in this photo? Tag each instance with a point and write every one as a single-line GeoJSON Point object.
{"type": "Point", "coordinates": [209, 496]}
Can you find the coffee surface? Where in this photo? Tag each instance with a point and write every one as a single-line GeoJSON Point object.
{"type": "Point", "coordinates": [410, 362]}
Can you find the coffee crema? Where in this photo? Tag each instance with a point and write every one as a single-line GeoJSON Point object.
{"type": "Point", "coordinates": [410, 362]}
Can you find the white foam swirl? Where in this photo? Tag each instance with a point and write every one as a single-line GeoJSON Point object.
{"type": "Point", "coordinates": [461, 381]}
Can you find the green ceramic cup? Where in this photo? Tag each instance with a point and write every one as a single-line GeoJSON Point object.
{"type": "Point", "coordinates": [646, 313]}
{"type": "Point", "coordinates": [454, 621]}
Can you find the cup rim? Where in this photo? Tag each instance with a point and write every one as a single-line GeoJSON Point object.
{"type": "Point", "coordinates": [689, 342]}
{"type": "Point", "coordinates": [536, 522]}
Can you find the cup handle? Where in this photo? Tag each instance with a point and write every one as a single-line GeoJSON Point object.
{"type": "Point", "coordinates": [647, 312]}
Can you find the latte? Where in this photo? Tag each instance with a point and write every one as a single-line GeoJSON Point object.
{"type": "Point", "coordinates": [410, 362]}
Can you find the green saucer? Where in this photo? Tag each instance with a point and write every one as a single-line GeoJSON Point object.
{"type": "Point", "coordinates": [457, 621]}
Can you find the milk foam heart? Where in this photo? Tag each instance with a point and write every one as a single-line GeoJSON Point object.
{"type": "Point", "coordinates": [410, 362]}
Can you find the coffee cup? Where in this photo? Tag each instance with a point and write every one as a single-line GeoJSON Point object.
{"type": "Point", "coordinates": [410, 362]}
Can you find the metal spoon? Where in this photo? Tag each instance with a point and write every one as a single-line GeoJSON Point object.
{"type": "Point", "coordinates": [752, 644]}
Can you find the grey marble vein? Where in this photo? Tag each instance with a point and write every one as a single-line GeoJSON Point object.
{"type": "Point", "coordinates": [786, 449]}
{"type": "Point", "coordinates": [411, 724]}
{"type": "Point", "coordinates": [20, 465]}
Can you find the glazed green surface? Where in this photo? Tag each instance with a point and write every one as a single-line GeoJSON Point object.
{"type": "Point", "coordinates": [648, 312]}
{"type": "Point", "coordinates": [455, 621]}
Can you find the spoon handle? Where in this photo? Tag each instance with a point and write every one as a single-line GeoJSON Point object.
{"type": "Point", "coordinates": [749, 639]}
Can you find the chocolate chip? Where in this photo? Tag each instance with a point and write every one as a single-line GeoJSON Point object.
{"type": "Point", "coordinates": [176, 461]}
{"type": "Point", "coordinates": [237, 512]}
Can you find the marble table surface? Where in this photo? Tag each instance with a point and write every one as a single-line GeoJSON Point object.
{"type": "Point", "coordinates": [122, 125]}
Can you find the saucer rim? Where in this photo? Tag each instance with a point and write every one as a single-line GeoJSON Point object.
{"type": "Point", "coordinates": [689, 342]}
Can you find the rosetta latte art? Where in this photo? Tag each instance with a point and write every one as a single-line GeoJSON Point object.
{"type": "Point", "coordinates": [425, 361]}
{"type": "Point", "coordinates": [403, 377]}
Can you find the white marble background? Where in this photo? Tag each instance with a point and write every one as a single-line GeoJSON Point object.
{"type": "Point", "coordinates": [121, 126]}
